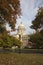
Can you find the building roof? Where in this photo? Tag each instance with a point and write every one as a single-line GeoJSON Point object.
{"type": "Point", "coordinates": [21, 26]}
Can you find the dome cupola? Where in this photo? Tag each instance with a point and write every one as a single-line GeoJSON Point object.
{"type": "Point", "coordinates": [21, 29]}
{"type": "Point", "coordinates": [21, 26]}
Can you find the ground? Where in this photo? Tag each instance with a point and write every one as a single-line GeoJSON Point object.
{"type": "Point", "coordinates": [21, 59]}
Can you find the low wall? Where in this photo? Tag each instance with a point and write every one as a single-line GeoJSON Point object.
{"type": "Point", "coordinates": [22, 50]}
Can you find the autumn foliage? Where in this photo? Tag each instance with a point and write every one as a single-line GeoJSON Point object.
{"type": "Point", "coordinates": [9, 10]}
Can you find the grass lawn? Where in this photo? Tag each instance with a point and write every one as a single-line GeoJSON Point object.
{"type": "Point", "coordinates": [21, 59]}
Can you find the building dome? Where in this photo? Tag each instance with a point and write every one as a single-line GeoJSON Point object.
{"type": "Point", "coordinates": [21, 26]}
{"type": "Point", "coordinates": [21, 29]}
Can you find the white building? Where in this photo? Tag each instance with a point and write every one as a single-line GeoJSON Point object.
{"type": "Point", "coordinates": [21, 34]}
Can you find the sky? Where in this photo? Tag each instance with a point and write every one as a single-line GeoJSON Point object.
{"type": "Point", "coordinates": [29, 10]}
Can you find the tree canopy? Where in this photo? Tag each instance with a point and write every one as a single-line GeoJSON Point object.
{"type": "Point", "coordinates": [37, 40]}
{"type": "Point", "coordinates": [7, 41]}
{"type": "Point", "coordinates": [9, 10]}
{"type": "Point", "coordinates": [37, 23]}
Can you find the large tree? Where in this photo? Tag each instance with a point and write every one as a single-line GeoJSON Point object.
{"type": "Point", "coordinates": [9, 10]}
{"type": "Point", "coordinates": [37, 23]}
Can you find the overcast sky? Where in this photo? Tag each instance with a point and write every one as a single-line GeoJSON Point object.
{"type": "Point", "coordinates": [29, 9]}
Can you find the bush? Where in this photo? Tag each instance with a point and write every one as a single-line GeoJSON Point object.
{"type": "Point", "coordinates": [7, 41]}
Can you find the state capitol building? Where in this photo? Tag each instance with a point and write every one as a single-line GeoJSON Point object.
{"type": "Point", "coordinates": [21, 34]}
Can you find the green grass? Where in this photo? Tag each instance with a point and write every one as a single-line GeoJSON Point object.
{"type": "Point", "coordinates": [21, 59]}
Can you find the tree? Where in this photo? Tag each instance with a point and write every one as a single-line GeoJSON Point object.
{"type": "Point", "coordinates": [9, 9]}
{"type": "Point", "coordinates": [41, 32]}
{"type": "Point", "coordinates": [7, 41]}
{"type": "Point", "coordinates": [37, 40]}
{"type": "Point", "coordinates": [17, 42]}
{"type": "Point", "coordinates": [37, 23]}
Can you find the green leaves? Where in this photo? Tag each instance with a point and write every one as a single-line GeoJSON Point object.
{"type": "Point", "coordinates": [37, 23]}
{"type": "Point", "coordinates": [37, 40]}
{"type": "Point", "coordinates": [9, 41]}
